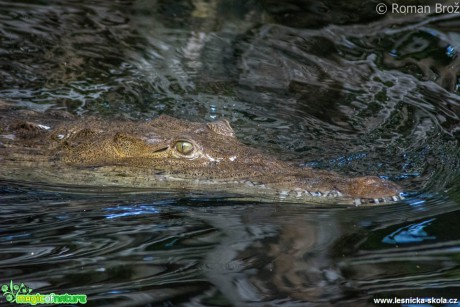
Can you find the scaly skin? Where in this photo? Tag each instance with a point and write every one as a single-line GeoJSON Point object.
{"type": "Point", "coordinates": [165, 153]}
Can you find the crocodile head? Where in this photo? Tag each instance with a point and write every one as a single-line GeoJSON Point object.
{"type": "Point", "coordinates": [164, 145]}
{"type": "Point", "coordinates": [171, 153]}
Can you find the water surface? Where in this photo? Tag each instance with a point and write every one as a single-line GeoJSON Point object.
{"type": "Point", "coordinates": [327, 85]}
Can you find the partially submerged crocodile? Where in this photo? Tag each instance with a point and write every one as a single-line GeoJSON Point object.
{"type": "Point", "coordinates": [164, 153]}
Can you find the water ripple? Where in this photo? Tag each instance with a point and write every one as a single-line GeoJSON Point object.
{"type": "Point", "coordinates": [322, 85]}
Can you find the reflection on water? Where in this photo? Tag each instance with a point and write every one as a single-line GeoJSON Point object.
{"type": "Point", "coordinates": [411, 233]}
{"type": "Point", "coordinates": [330, 86]}
{"type": "Point", "coordinates": [132, 251]}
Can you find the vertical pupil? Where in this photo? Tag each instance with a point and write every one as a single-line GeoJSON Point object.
{"type": "Point", "coordinates": [184, 147]}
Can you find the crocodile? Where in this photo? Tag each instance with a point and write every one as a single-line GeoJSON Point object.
{"type": "Point", "coordinates": [165, 153]}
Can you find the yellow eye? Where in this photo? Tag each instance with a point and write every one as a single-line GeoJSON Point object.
{"type": "Point", "coordinates": [184, 147]}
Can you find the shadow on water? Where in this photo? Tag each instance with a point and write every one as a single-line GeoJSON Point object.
{"type": "Point", "coordinates": [330, 86]}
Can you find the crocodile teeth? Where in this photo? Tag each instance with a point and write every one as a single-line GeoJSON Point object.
{"type": "Point", "coordinates": [316, 194]}
{"type": "Point", "coordinates": [333, 193]}
{"type": "Point", "coordinates": [299, 193]}
{"type": "Point", "coordinates": [250, 183]}
{"type": "Point", "coordinates": [284, 194]}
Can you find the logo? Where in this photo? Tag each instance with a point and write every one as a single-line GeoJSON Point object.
{"type": "Point", "coordinates": [21, 294]}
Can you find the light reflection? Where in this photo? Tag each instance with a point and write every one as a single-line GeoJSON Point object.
{"type": "Point", "coordinates": [410, 234]}
{"type": "Point", "coordinates": [123, 211]}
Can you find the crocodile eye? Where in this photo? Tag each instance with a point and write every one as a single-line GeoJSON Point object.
{"type": "Point", "coordinates": [184, 147]}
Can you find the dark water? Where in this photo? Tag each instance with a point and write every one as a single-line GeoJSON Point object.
{"type": "Point", "coordinates": [330, 85]}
